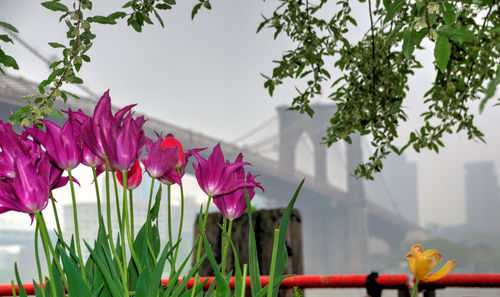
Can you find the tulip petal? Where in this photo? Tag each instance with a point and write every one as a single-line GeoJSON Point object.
{"type": "Point", "coordinates": [444, 271]}
{"type": "Point", "coordinates": [425, 262]}
{"type": "Point", "coordinates": [416, 250]}
{"type": "Point", "coordinates": [411, 263]}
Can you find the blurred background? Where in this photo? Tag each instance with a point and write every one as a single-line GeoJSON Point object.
{"type": "Point", "coordinates": [201, 81]}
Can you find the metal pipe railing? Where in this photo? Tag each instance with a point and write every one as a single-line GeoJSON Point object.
{"type": "Point", "coordinates": [401, 282]}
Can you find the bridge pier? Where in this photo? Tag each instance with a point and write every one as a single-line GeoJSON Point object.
{"type": "Point", "coordinates": [357, 238]}
{"type": "Point", "coordinates": [335, 236]}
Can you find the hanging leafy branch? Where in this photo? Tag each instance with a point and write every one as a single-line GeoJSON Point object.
{"type": "Point", "coordinates": [74, 54]}
{"type": "Point", "coordinates": [373, 85]}
{"type": "Point", "coordinates": [6, 60]}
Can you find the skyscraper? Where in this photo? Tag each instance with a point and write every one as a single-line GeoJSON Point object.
{"type": "Point", "coordinates": [482, 197]}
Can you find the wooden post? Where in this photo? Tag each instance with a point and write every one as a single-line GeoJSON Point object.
{"type": "Point", "coordinates": [264, 222]}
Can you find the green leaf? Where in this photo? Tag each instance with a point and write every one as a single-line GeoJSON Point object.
{"type": "Point", "coordinates": [490, 89]}
{"type": "Point", "coordinates": [142, 288]}
{"type": "Point", "coordinates": [171, 2]}
{"type": "Point", "coordinates": [387, 4]}
{"type": "Point", "coordinates": [86, 58]}
{"type": "Point", "coordinates": [392, 35]}
{"type": "Point", "coordinates": [22, 291]}
{"type": "Point", "coordinates": [56, 114]}
{"type": "Point", "coordinates": [449, 13]}
{"type": "Point", "coordinates": [6, 38]}
{"type": "Point", "coordinates": [98, 292]}
{"type": "Point", "coordinates": [76, 285]}
{"type": "Point", "coordinates": [462, 34]}
{"type": "Point", "coordinates": [408, 42]}
{"type": "Point", "coordinates": [442, 51]}
{"type": "Point", "coordinates": [163, 6]}
{"type": "Point", "coordinates": [102, 20]}
{"type": "Point", "coordinates": [128, 4]}
{"type": "Point", "coordinates": [153, 213]}
{"type": "Point", "coordinates": [157, 271]}
{"type": "Point", "coordinates": [195, 10]}
{"type": "Point", "coordinates": [458, 34]}
{"type": "Point", "coordinates": [179, 289]}
{"type": "Point", "coordinates": [8, 61]}
{"type": "Point", "coordinates": [56, 45]}
{"type": "Point", "coordinates": [222, 289]}
{"type": "Point", "coordinates": [238, 282]}
{"type": "Point", "coordinates": [38, 291]}
{"type": "Point", "coordinates": [55, 6]}
{"type": "Point", "coordinates": [8, 26]}
{"type": "Point", "coordinates": [393, 9]}
{"type": "Point", "coordinates": [282, 259]}
{"type": "Point", "coordinates": [446, 30]}
{"type": "Point", "coordinates": [158, 17]}
{"type": "Point", "coordinates": [102, 260]}
{"type": "Point", "coordinates": [253, 260]}
{"type": "Point", "coordinates": [58, 282]}
{"type": "Point", "coordinates": [117, 15]}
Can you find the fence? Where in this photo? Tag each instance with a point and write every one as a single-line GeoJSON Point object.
{"type": "Point", "coordinates": [400, 282]}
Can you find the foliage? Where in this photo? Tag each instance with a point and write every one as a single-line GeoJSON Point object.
{"type": "Point", "coordinates": [371, 91]}
{"type": "Point", "coordinates": [6, 60]}
{"type": "Point", "coordinates": [104, 277]}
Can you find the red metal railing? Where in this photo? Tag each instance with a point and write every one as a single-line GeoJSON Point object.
{"type": "Point", "coordinates": [384, 281]}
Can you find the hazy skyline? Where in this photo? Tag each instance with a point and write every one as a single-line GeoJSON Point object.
{"type": "Point", "coordinates": [204, 75]}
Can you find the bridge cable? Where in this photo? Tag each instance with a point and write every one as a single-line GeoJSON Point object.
{"type": "Point", "coordinates": [275, 136]}
{"type": "Point", "coordinates": [255, 130]}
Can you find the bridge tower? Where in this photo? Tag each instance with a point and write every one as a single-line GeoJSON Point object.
{"type": "Point", "coordinates": [336, 236]}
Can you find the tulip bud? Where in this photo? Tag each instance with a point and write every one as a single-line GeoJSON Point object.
{"type": "Point", "coordinates": [134, 176]}
{"type": "Point", "coordinates": [171, 141]}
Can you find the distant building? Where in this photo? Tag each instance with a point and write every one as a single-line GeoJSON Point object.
{"type": "Point", "coordinates": [17, 246]}
{"type": "Point", "coordinates": [482, 197]}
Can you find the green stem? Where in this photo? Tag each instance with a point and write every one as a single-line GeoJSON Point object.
{"type": "Point", "coordinates": [55, 214]}
{"type": "Point", "coordinates": [223, 235]}
{"type": "Point", "coordinates": [180, 227]}
{"type": "Point", "coordinates": [131, 200]}
{"type": "Point", "coordinates": [108, 207]}
{"type": "Point", "coordinates": [273, 262]}
{"type": "Point", "coordinates": [226, 245]}
{"type": "Point", "coordinates": [150, 197]}
{"type": "Point", "coordinates": [37, 258]}
{"type": "Point", "coordinates": [110, 232]}
{"type": "Point", "coordinates": [415, 288]}
{"type": "Point", "coordinates": [244, 286]}
{"type": "Point", "coordinates": [127, 224]}
{"type": "Point", "coordinates": [122, 236]}
{"type": "Point", "coordinates": [75, 219]}
{"type": "Point", "coordinates": [98, 196]}
{"type": "Point", "coordinates": [200, 240]}
{"type": "Point", "coordinates": [47, 254]}
{"type": "Point", "coordinates": [45, 234]}
{"type": "Point", "coordinates": [169, 215]}
{"type": "Point", "coordinates": [13, 288]}
{"type": "Point", "coordinates": [148, 223]}
{"type": "Point", "coordinates": [117, 199]}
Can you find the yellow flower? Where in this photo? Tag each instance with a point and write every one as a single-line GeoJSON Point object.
{"type": "Point", "coordinates": [421, 263]}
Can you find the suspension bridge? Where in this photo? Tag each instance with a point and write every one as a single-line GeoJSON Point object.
{"type": "Point", "coordinates": [338, 222]}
